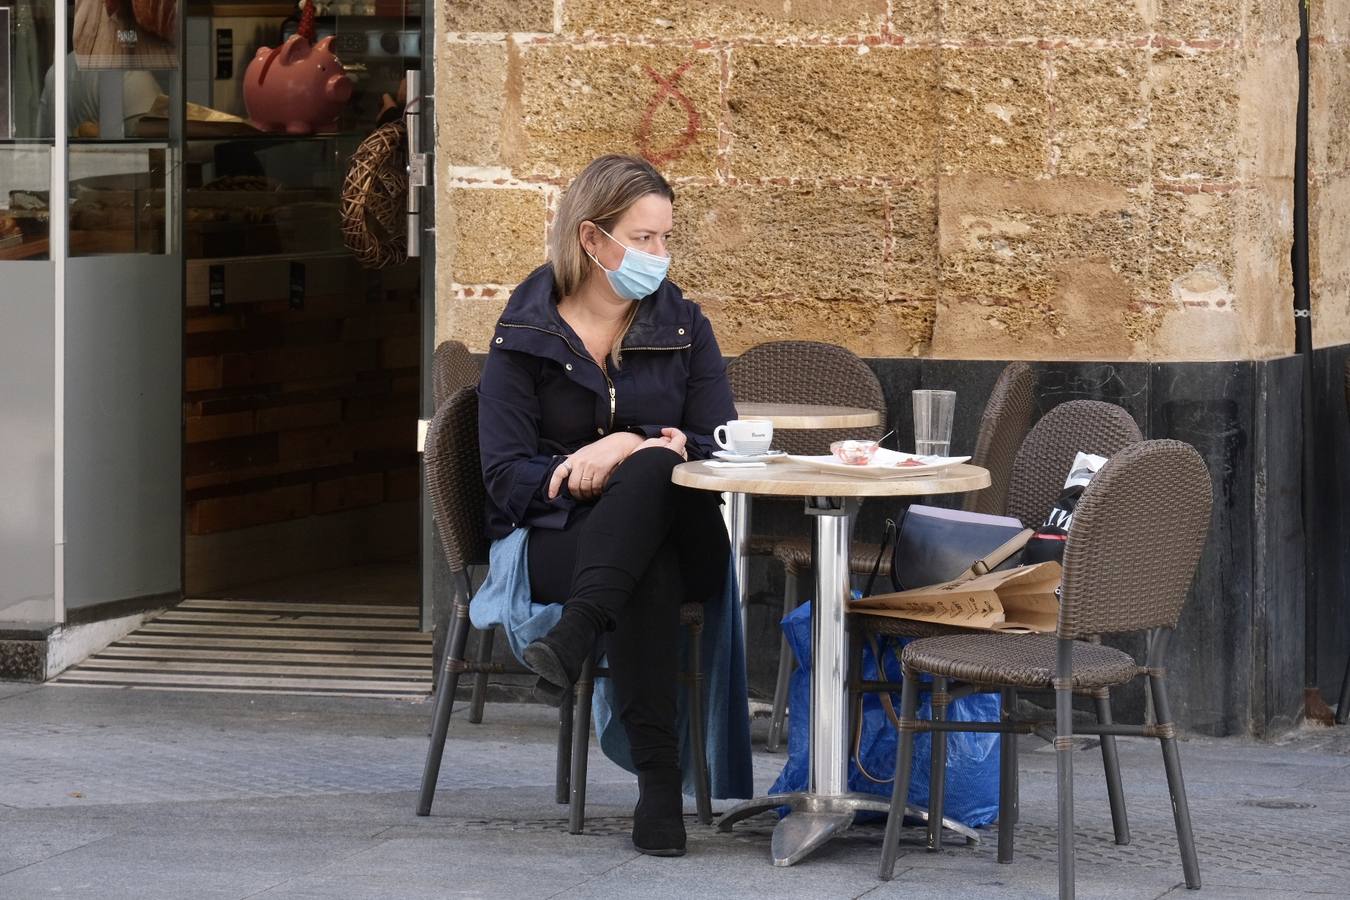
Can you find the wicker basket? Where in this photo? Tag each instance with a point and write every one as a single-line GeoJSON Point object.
{"type": "Point", "coordinates": [375, 199]}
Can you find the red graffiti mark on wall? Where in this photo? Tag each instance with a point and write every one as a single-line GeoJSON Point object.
{"type": "Point", "coordinates": [692, 121]}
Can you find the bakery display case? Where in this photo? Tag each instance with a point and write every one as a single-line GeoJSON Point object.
{"type": "Point", "coordinates": [227, 188]}
{"type": "Point", "coordinates": [25, 173]}
{"type": "Point", "coordinates": [27, 48]}
{"type": "Point", "coordinates": [264, 196]}
{"type": "Point", "coordinates": [278, 103]}
{"type": "Point", "coordinates": [122, 198]}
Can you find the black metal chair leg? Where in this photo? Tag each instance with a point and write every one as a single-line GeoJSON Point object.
{"type": "Point", "coordinates": [1181, 810]}
{"type": "Point", "coordinates": [786, 661]}
{"type": "Point", "coordinates": [1343, 704]}
{"type": "Point", "coordinates": [904, 759]}
{"type": "Point", "coordinates": [1120, 821]}
{"type": "Point", "coordinates": [937, 776]}
{"type": "Point", "coordinates": [1007, 779]}
{"type": "Point", "coordinates": [698, 726]}
{"type": "Point", "coordinates": [1064, 765]}
{"type": "Point", "coordinates": [482, 654]}
{"type": "Point", "coordinates": [445, 700]}
{"type": "Point", "coordinates": [581, 735]}
{"type": "Point", "coordinates": [562, 779]}
{"type": "Point", "coordinates": [1016, 765]}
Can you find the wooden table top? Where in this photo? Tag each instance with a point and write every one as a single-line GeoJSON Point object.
{"type": "Point", "coordinates": [808, 415]}
{"type": "Point", "coordinates": [789, 479]}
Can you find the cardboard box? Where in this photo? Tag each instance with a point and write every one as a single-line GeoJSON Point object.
{"type": "Point", "coordinates": [1020, 600]}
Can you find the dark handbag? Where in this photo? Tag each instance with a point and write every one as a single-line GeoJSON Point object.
{"type": "Point", "coordinates": [933, 545]}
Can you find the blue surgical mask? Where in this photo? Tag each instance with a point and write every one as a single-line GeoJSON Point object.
{"type": "Point", "coordinates": [639, 273]}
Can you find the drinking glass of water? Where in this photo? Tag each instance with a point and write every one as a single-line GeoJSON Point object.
{"type": "Point", "coordinates": [933, 411]}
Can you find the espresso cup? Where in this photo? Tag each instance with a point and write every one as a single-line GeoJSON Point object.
{"type": "Point", "coordinates": [744, 435]}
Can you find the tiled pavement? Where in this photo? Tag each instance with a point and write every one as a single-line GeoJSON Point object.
{"type": "Point", "coordinates": [112, 794]}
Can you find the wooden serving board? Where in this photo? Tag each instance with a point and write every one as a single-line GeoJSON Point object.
{"type": "Point", "coordinates": [115, 41]}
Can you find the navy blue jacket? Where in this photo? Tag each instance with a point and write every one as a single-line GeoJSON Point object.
{"type": "Point", "coordinates": [542, 396]}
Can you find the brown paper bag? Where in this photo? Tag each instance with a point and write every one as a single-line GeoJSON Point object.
{"type": "Point", "coordinates": [1019, 600]}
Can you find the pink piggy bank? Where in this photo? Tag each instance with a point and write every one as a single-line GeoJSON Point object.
{"type": "Point", "coordinates": [296, 88]}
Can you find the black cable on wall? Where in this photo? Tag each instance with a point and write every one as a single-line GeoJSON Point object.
{"type": "Point", "coordinates": [1303, 346]}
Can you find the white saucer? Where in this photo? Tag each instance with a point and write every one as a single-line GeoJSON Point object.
{"type": "Point", "coordinates": [747, 457]}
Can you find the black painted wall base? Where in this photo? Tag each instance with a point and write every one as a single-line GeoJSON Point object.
{"type": "Point", "coordinates": [1331, 518]}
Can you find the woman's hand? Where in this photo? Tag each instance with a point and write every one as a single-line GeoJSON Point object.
{"type": "Point", "coordinates": [588, 470]}
{"type": "Point", "coordinates": [672, 439]}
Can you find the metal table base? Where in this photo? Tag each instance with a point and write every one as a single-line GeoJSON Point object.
{"type": "Point", "coordinates": [816, 818]}
{"type": "Point", "coordinates": [736, 515]}
{"type": "Point", "coordinates": [826, 807]}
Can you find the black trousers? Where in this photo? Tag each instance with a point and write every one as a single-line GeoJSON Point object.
{"type": "Point", "coordinates": [635, 555]}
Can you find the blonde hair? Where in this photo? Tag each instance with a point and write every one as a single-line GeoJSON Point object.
{"type": "Point", "coordinates": [601, 194]}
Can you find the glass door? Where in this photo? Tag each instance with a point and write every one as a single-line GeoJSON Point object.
{"type": "Point", "coordinates": [29, 31]}
{"type": "Point", "coordinates": [302, 335]}
{"type": "Point", "coordinates": [120, 367]}
{"type": "Point", "coordinates": [90, 168]}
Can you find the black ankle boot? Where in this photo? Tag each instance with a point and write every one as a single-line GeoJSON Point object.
{"type": "Point", "coordinates": [658, 820]}
{"type": "Point", "coordinates": [558, 656]}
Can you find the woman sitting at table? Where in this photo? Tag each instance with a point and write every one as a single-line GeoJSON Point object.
{"type": "Point", "coordinates": [601, 378]}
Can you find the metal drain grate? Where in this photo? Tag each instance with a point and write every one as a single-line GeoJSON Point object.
{"type": "Point", "coordinates": [1279, 804]}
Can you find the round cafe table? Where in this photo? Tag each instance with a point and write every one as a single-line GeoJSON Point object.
{"type": "Point", "coordinates": [809, 415]}
{"type": "Point", "coordinates": [736, 509]}
{"type": "Point", "coordinates": [826, 807]}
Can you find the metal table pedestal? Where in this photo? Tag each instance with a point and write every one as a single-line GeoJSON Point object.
{"type": "Point", "coordinates": [826, 807]}
{"type": "Point", "coordinates": [815, 819]}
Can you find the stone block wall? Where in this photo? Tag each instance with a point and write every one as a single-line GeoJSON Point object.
{"type": "Point", "coordinates": [1040, 179]}
{"type": "Point", "coordinates": [1329, 170]}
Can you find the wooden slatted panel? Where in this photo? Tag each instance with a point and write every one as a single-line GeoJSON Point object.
{"type": "Point", "coordinates": [269, 646]}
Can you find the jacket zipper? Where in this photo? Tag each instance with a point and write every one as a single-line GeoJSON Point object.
{"type": "Point", "coordinates": [590, 359]}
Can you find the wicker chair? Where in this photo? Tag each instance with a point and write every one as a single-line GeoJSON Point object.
{"type": "Point", "coordinates": [453, 367]}
{"type": "Point", "coordinates": [1122, 573]}
{"type": "Point", "coordinates": [1004, 425]}
{"type": "Point", "coordinates": [804, 372]}
{"type": "Point", "coordinates": [1343, 704]}
{"type": "Point", "coordinates": [1090, 426]}
{"type": "Point", "coordinates": [807, 372]}
{"type": "Point", "coordinates": [1006, 419]}
{"type": "Point", "coordinates": [455, 481]}
{"type": "Point", "coordinates": [1037, 477]}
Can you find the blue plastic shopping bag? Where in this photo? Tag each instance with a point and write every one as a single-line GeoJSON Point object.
{"type": "Point", "coordinates": [971, 796]}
